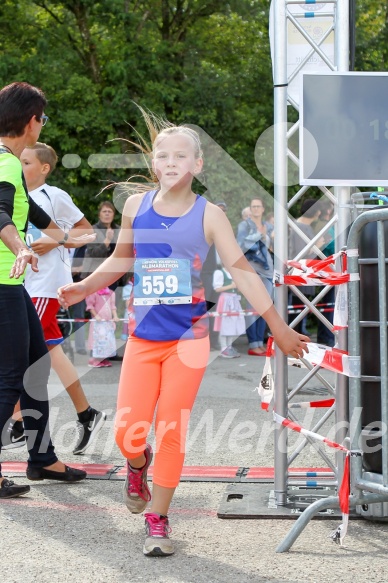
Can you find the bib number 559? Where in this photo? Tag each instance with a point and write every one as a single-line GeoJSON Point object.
{"type": "Point", "coordinates": [158, 284]}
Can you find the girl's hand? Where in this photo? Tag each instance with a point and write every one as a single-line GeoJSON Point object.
{"type": "Point", "coordinates": [24, 257]}
{"type": "Point", "coordinates": [71, 294]}
{"type": "Point", "coordinates": [116, 319]}
{"type": "Point", "coordinates": [292, 343]}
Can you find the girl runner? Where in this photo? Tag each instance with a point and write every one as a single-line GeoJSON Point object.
{"type": "Point", "coordinates": [165, 237]}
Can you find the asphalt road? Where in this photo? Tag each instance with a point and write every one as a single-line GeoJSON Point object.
{"type": "Point", "coordinates": [82, 532]}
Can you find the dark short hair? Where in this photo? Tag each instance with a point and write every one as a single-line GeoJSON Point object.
{"type": "Point", "coordinates": [107, 203]}
{"type": "Point", "coordinates": [309, 208]}
{"type": "Point", "coordinates": [19, 102]}
{"type": "Point", "coordinates": [257, 198]}
{"type": "Point", "coordinates": [326, 206]}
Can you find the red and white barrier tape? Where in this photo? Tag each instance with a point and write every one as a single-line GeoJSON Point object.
{"type": "Point", "coordinates": [324, 403]}
{"type": "Point", "coordinates": [333, 359]}
{"type": "Point", "coordinates": [339, 534]}
{"type": "Point", "coordinates": [328, 358]}
{"type": "Point", "coordinates": [291, 309]}
{"type": "Point", "coordinates": [301, 278]}
{"type": "Point", "coordinates": [317, 271]}
{"type": "Point", "coordinates": [266, 387]}
{"type": "Point", "coordinates": [295, 427]}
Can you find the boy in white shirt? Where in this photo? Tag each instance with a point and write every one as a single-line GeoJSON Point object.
{"type": "Point", "coordinates": [55, 271]}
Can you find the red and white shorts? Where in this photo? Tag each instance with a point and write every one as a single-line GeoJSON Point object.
{"type": "Point", "coordinates": [47, 309]}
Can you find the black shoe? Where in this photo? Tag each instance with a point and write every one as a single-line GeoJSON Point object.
{"type": "Point", "coordinates": [9, 489]}
{"type": "Point", "coordinates": [14, 436]}
{"type": "Point", "coordinates": [69, 475]}
{"type": "Point", "coordinates": [87, 432]}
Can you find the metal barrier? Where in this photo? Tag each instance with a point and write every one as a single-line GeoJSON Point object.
{"type": "Point", "coordinates": [364, 490]}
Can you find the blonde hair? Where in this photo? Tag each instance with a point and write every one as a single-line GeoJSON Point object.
{"type": "Point", "coordinates": [45, 154]}
{"type": "Point", "coordinates": [158, 129]}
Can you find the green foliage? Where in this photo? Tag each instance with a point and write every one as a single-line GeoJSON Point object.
{"type": "Point", "coordinates": [204, 62]}
{"type": "Point", "coordinates": [201, 62]}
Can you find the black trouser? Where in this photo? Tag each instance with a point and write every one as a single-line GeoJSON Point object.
{"type": "Point", "coordinates": [24, 372]}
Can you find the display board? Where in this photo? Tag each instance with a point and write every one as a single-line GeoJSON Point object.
{"type": "Point", "coordinates": [344, 129]}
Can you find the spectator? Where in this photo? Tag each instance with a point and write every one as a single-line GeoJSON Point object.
{"type": "Point", "coordinates": [246, 213]}
{"type": "Point", "coordinates": [54, 271]}
{"type": "Point", "coordinates": [270, 219]}
{"type": "Point", "coordinates": [254, 238]}
{"type": "Point", "coordinates": [229, 327]}
{"type": "Point", "coordinates": [102, 341]}
{"type": "Point", "coordinates": [106, 237]}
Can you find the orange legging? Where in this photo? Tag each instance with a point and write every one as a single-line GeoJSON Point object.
{"type": "Point", "coordinates": [168, 374]}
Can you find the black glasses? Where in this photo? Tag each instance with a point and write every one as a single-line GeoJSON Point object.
{"type": "Point", "coordinates": [44, 119]}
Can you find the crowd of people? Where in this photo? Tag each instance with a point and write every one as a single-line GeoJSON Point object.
{"type": "Point", "coordinates": [167, 234]}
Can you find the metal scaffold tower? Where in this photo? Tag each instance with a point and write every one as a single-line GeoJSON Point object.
{"type": "Point", "coordinates": [290, 15]}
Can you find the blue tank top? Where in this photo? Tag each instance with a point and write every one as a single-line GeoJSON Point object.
{"type": "Point", "coordinates": [181, 239]}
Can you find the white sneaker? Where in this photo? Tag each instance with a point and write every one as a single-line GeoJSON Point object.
{"type": "Point", "coordinates": [136, 491]}
{"type": "Point", "coordinates": [157, 542]}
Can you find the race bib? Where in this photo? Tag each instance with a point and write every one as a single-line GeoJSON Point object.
{"type": "Point", "coordinates": [32, 234]}
{"type": "Point", "coordinates": [162, 281]}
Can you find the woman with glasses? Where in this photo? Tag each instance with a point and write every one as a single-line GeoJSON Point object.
{"type": "Point", "coordinates": [254, 238]}
{"type": "Point", "coordinates": [25, 362]}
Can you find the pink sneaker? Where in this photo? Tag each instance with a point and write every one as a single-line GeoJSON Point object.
{"type": "Point", "coordinates": [136, 491]}
{"type": "Point", "coordinates": [157, 542]}
{"type": "Point", "coordinates": [106, 363]}
{"type": "Point", "coordinates": [95, 363]}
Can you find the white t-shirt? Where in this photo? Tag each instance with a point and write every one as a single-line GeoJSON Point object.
{"type": "Point", "coordinates": [54, 267]}
{"type": "Point", "coordinates": [219, 278]}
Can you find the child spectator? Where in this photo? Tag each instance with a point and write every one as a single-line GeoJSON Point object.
{"type": "Point", "coordinates": [54, 270]}
{"type": "Point", "coordinates": [102, 341]}
{"type": "Point", "coordinates": [229, 327]}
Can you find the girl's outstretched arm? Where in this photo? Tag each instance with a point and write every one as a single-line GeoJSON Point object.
{"type": "Point", "coordinates": [114, 267]}
{"type": "Point", "coordinates": [218, 230]}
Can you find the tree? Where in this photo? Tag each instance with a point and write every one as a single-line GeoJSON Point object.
{"type": "Point", "coordinates": [204, 62]}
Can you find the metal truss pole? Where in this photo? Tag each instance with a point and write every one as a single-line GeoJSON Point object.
{"type": "Point", "coordinates": [340, 26]}
{"type": "Point", "coordinates": [281, 239]}
{"type": "Point", "coordinates": [342, 194]}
